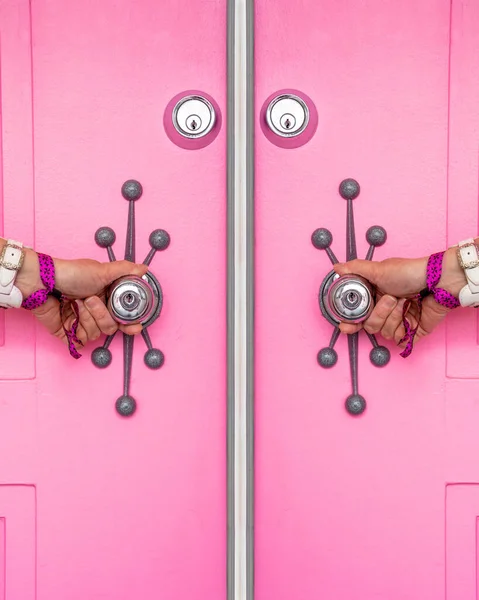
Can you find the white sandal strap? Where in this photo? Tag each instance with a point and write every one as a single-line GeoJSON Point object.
{"type": "Point", "coordinates": [11, 261]}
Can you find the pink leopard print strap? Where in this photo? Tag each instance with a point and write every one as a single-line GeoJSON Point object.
{"type": "Point", "coordinates": [433, 275]}
{"type": "Point", "coordinates": [38, 298]}
{"type": "Point", "coordinates": [47, 275]}
{"type": "Point", "coordinates": [441, 296]}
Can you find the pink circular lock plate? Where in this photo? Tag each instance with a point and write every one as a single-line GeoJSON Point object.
{"type": "Point", "coordinates": [294, 141]}
{"type": "Point", "coordinates": [191, 143]}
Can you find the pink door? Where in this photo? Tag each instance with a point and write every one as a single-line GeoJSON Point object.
{"type": "Point", "coordinates": [98, 501]}
{"type": "Point", "coordinates": [384, 504]}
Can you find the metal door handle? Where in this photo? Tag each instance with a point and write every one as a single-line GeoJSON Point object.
{"type": "Point", "coordinates": [349, 298]}
{"type": "Point", "coordinates": [132, 299]}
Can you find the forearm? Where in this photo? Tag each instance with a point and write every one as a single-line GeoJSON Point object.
{"type": "Point", "coordinates": [28, 280]}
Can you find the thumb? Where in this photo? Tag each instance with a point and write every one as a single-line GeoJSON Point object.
{"type": "Point", "coordinates": [432, 314]}
{"type": "Point", "coordinates": [120, 268]}
{"type": "Point", "coordinates": [365, 268]}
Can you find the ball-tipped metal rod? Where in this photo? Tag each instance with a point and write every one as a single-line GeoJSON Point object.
{"type": "Point", "coordinates": [131, 190]}
{"type": "Point", "coordinates": [159, 240]}
{"type": "Point", "coordinates": [322, 239]}
{"type": "Point", "coordinates": [105, 237]}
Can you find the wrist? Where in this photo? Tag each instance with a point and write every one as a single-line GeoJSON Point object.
{"type": "Point", "coordinates": [60, 271]}
{"type": "Point", "coordinates": [28, 278]}
{"type": "Point", "coordinates": [453, 278]}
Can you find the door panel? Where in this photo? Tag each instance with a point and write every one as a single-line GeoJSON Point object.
{"type": "Point", "coordinates": [123, 507]}
{"type": "Point", "coordinates": [355, 506]}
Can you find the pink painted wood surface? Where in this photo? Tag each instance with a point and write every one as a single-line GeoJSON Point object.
{"type": "Point", "coordinates": [356, 508]}
{"type": "Point", "coordinates": [123, 508]}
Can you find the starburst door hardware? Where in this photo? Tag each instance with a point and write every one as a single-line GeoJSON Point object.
{"type": "Point", "coordinates": [132, 299]}
{"type": "Point", "coordinates": [349, 298]}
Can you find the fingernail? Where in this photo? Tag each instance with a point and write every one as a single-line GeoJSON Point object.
{"type": "Point", "coordinates": [389, 302]}
{"type": "Point", "coordinates": [90, 302]}
{"type": "Point", "coordinates": [131, 329]}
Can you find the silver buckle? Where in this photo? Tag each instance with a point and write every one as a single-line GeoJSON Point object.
{"type": "Point", "coordinates": [8, 265]}
{"type": "Point", "coordinates": [471, 264]}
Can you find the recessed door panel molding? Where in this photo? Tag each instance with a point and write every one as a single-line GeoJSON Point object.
{"type": "Point", "coordinates": [18, 529]}
{"type": "Point", "coordinates": [462, 541]}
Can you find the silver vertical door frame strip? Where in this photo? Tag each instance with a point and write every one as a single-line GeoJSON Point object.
{"type": "Point", "coordinates": [230, 303]}
{"type": "Point", "coordinates": [250, 296]}
{"type": "Point", "coordinates": [241, 341]}
{"type": "Point", "coordinates": [240, 301]}
{"type": "Point", "coordinates": [240, 295]}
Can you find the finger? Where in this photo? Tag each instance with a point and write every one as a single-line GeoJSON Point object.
{"type": "Point", "coordinates": [100, 316]}
{"type": "Point", "coordinates": [68, 319]}
{"type": "Point", "coordinates": [412, 319]}
{"type": "Point", "coordinates": [131, 329]}
{"type": "Point", "coordinates": [350, 327]}
{"type": "Point", "coordinates": [432, 314]}
{"type": "Point", "coordinates": [370, 270]}
{"type": "Point", "coordinates": [393, 321]}
{"type": "Point", "coordinates": [49, 316]}
{"type": "Point", "coordinates": [399, 277]}
{"type": "Point", "coordinates": [120, 268]}
{"type": "Point", "coordinates": [375, 322]}
{"type": "Point", "coordinates": [91, 330]}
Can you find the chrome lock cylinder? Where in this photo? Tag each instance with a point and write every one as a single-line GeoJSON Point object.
{"type": "Point", "coordinates": [349, 298]}
{"type": "Point", "coordinates": [194, 117]}
{"type": "Point", "coordinates": [287, 115]}
{"type": "Point", "coordinates": [132, 299]}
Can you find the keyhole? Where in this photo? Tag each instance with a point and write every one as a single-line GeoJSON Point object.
{"type": "Point", "coordinates": [287, 122]}
{"type": "Point", "coordinates": [351, 300]}
{"type": "Point", "coordinates": [129, 300]}
{"type": "Point", "coordinates": [193, 122]}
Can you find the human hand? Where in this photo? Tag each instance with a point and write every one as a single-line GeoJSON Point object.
{"type": "Point", "coordinates": [396, 280]}
{"type": "Point", "coordinates": [86, 282]}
